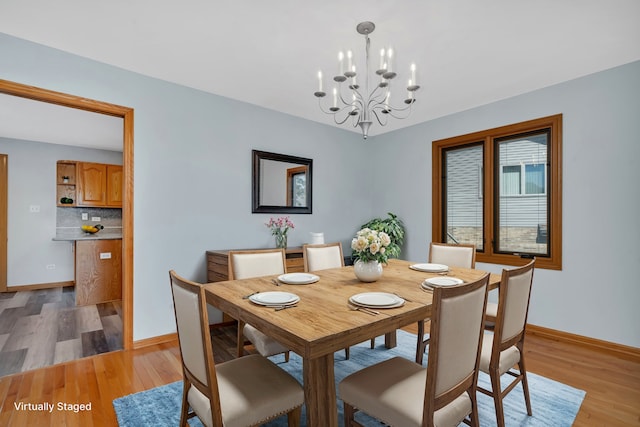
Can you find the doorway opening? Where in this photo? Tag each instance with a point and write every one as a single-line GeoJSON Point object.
{"type": "Point", "coordinates": [126, 113]}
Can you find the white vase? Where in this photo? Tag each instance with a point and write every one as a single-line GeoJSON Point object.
{"type": "Point", "coordinates": [369, 271]}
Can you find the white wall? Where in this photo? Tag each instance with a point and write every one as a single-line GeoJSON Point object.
{"type": "Point", "coordinates": [597, 292]}
{"type": "Point", "coordinates": [32, 182]}
{"type": "Point", "coordinates": [193, 182]}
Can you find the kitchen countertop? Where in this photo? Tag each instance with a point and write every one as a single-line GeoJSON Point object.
{"type": "Point", "coordinates": [100, 235]}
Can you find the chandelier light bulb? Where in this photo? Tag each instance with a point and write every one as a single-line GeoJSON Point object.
{"type": "Point", "coordinates": [319, 81]}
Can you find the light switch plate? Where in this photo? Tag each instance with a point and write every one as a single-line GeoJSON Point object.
{"type": "Point", "coordinates": [85, 216]}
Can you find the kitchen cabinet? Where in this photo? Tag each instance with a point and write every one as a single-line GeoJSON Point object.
{"type": "Point", "coordinates": [92, 184]}
{"type": "Point", "coordinates": [97, 185]}
{"type": "Point", "coordinates": [66, 183]}
{"type": "Point", "coordinates": [114, 186]}
{"type": "Point", "coordinates": [98, 266]}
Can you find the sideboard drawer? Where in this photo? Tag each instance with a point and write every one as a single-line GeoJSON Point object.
{"type": "Point", "coordinates": [295, 264]}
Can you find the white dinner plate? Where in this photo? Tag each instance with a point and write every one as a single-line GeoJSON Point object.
{"type": "Point", "coordinates": [430, 268]}
{"type": "Point", "coordinates": [298, 278]}
{"type": "Point", "coordinates": [274, 298]}
{"type": "Point", "coordinates": [442, 281]}
{"type": "Point", "coordinates": [377, 300]}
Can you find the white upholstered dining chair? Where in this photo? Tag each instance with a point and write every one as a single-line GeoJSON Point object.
{"type": "Point", "coordinates": [504, 348]}
{"type": "Point", "coordinates": [241, 392]}
{"type": "Point", "coordinates": [247, 264]}
{"type": "Point", "coordinates": [452, 255]}
{"type": "Point", "coordinates": [322, 256]}
{"type": "Point", "coordinates": [399, 392]}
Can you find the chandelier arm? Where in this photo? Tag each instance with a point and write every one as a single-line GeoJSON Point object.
{"type": "Point", "coordinates": [343, 109]}
{"type": "Point", "coordinates": [354, 91]}
{"type": "Point", "coordinates": [402, 116]}
{"type": "Point", "coordinates": [323, 110]}
{"type": "Point", "coordinates": [333, 113]}
{"type": "Point", "coordinates": [382, 123]}
{"type": "Point", "coordinates": [339, 122]}
{"type": "Point", "coordinates": [337, 112]}
{"type": "Point", "coordinates": [374, 96]}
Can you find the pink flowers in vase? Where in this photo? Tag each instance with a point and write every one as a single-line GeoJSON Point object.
{"type": "Point", "coordinates": [279, 228]}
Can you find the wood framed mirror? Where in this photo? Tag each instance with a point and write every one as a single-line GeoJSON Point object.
{"type": "Point", "coordinates": [281, 183]}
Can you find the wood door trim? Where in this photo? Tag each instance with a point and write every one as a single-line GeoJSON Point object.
{"type": "Point", "coordinates": [4, 204]}
{"type": "Point", "coordinates": [72, 101]}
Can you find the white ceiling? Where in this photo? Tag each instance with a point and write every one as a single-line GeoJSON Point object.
{"type": "Point", "coordinates": [29, 120]}
{"type": "Point", "coordinates": [268, 53]}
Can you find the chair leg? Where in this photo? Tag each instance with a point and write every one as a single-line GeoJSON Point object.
{"type": "Point", "coordinates": [525, 383]}
{"type": "Point", "coordinates": [421, 344]}
{"type": "Point", "coordinates": [240, 338]}
{"type": "Point", "coordinates": [349, 414]}
{"type": "Point", "coordinates": [496, 391]}
{"type": "Point", "coordinates": [373, 343]}
{"type": "Point", "coordinates": [286, 356]}
{"type": "Point", "coordinates": [347, 352]}
{"type": "Point", "coordinates": [184, 413]}
{"type": "Point", "coordinates": [474, 420]}
{"type": "Point", "coordinates": [293, 417]}
{"type": "Point", "coordinates": [419, 350]}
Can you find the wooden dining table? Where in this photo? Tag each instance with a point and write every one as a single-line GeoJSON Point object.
{"type": "Point", "coordinates": [322, 321]}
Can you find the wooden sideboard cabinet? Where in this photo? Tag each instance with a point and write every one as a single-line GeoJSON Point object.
{"type": "Point", "coordinates": [218, 263]}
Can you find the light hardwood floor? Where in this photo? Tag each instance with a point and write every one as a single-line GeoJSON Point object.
{"type": "Point", "coordinates": [612, 384]}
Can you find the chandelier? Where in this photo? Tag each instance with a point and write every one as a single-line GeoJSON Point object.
{"type": "Point", "coordinates": [363, 104]}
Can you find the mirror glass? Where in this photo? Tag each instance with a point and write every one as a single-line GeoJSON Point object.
{"type": "Point", "coordinates": [281, 183]}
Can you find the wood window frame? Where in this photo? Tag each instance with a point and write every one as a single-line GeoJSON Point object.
{"type": "Point", "coordinates": [291, 173]}
{"type": "Point", "coordinates": [554, 189]}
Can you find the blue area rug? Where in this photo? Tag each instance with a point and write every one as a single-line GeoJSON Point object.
{"type": "Point", "coordinates": [553, 403]}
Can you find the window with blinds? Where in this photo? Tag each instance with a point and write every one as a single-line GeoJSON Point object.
{"type": "Point", "coordinates": [500, 189]}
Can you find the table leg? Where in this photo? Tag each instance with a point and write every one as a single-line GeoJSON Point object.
{"type": "Point", "coordinates": [390, 339]}
{"type": "Point", "coordinates": [320, 392]}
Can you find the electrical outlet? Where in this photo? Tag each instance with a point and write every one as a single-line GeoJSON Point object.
{"type": "Point", "coordinates": [34, 208]}
{"type": "Point", "coordinates": [105, 255]}
{"type": "Point", "coordinates": [95, 218]}
{"type": "Point", "coordinates": [85, 216]}
{"type": "Point", "coordinates": [51, 266]}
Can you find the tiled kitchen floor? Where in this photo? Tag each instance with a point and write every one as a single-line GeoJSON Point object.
{"type": "Point", "coordinates": [44, 327]}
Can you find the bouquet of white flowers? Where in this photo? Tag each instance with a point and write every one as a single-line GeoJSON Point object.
{"type": "Point", "coordinates": [370, 245]}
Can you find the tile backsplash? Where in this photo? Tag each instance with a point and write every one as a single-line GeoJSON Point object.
{"type": "Point", "coordinates": [71, 218]}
